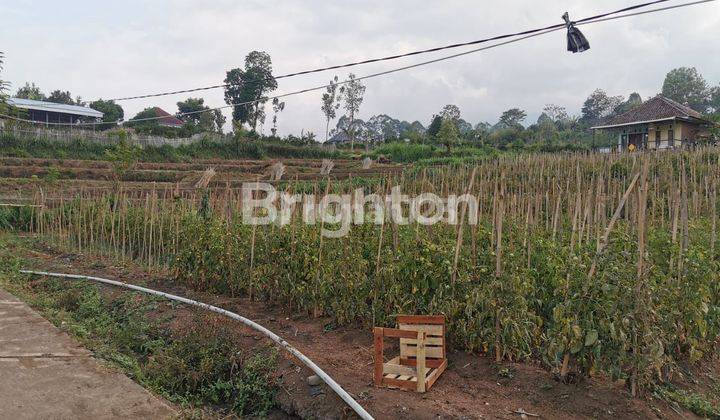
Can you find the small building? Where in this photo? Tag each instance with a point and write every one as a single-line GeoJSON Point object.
{"type": "Point", "coordinates": [659, 123]}
{"type": "Point", "coordinates": [50, 112]}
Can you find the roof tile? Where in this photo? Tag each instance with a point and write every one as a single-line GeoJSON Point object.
{"type": "Point", "coordinates": [657, 108]}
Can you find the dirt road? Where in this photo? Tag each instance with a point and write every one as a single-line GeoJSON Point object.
{"type": "Point", "coordinates": [46, 374]}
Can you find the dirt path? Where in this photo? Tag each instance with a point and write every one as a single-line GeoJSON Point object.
{"type": "Point", "coordinates": [46, 374]}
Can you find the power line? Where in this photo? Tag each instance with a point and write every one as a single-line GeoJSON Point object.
{"type": "Point", "coordinates": [660, 9]}
{"type": "Point", "coordinates": [382, 73]}
{"type": "Point", "coordinates": [394, 57]}
{"type": "Point", "coordinates": [397, 56]}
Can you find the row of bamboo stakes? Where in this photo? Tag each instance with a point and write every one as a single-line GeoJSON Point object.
{"type": "Point", "coordinates": [575, 199]}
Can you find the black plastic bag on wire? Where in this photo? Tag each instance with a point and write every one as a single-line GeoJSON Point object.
{"type": "Point", "coordinates": [576, 41]}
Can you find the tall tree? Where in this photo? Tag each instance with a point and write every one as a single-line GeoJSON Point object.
{"type": "Point", "coordinates": [246, 88]}
{"type": "Point", "coordinates": [448, 134]}
{"type": "Point", "coordinates": [353, 94]}
{"type": "Point", "coordinates": [451, 112]}
{"type": "Point", "coordinates": [598, 106]}
{"type": "Point", "coordinates": [277, 107]}
{"type": "Point", "coordinates": [512, 118]}
{"type": "Point", "coordinates": [112, 113]}
{"type": "Point", "coordinates": [687, 86]}
{"type": "Point", "coordinates": [331, 102]}
{"type": "Point", "coordinates": [30, 91]}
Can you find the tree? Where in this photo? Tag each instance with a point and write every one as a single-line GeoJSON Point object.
{"type": "Point", "coordinates": [196, 115]}
{"type": "Point", "coordinates": [123, 157]}
{"type": "Point", "coordinates": [686, 86]}
{"type": "Point", "coordinates": [451, 112]}
{"type": "Point", "coordinates": [30, 91]}
{"type": "Point", "coordinates": [191, 110]}
{"type": "Point", "coordinates": [219, 120]}
{"type": "Point", "coordinates": [512, 118]}
{"type": "Point", "coordinates": [481, 132]}
{"type": "Point", "coordinates": [61, 97]}
{"type": "Point", "coordinates": [715, 99]}
{"type": "Point", "coordinates": [448, 134]}
{"type": "Point", "coordinates": [143, 125]}
{"type": "Point", "coordinates": [352, 93]}
{"type": "Point", "coordinates": [434, 127]}
{"type": "Point", "coordinates": [112, 113]}
{"type": "Point", "coordinates": [331, 102]}
{"type": "Point", "coordinates": [277, 108]}
{"type": "Point", "coordinates": [633, 101]}
{"type": "Point", "coordinates": [598, 106]}
{"type": "Point", "coordinates": [246, 88]}
{"type": "Point", "coordinates": [3, 88]}
{"type": "Point", "coordinates": [544, 119]}
{"type": "Point", "coordinates": [556, 113]}
{"type": "Point", "coordinates": [546, 126]}
{"type": "Point", "coordinates": [143, 115]}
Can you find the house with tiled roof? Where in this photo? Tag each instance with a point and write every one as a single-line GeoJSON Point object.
{"type": "Point", "coordinates": [165, 119]}
{"type": "Point", "coordinates": [659, 123]}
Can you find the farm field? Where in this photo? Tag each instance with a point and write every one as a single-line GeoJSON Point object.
{"type": "Point", "coordinates": [474, 386]}
{"type": "Point", "coordinates": [593, 268]}
{"type": "Point", "coordinates": [22, 178]}
{"type": "Point", "coordinates": [335, 213]}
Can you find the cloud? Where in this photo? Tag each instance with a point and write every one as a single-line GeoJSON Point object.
{"type": "Point", "coordinates": [110, 50]}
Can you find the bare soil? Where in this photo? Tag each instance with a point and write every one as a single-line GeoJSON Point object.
{"type": "Point", "coordinates": [473, 386]}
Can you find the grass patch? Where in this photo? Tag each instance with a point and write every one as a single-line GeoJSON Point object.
{"type": "Point", "coordinates": [693, 401]}
{"type": "Point", "coordinates": [196, 363]}
{"type": "Point", "coordinates": [26, 147]}
{"type": "Point", "coordinates": [405, 153]}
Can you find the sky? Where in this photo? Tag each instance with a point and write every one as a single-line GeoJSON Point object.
{"type": "Point", "coordinates": [114, 49]}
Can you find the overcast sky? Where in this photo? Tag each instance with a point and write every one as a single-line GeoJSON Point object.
{"type": "Point", "coordinates": [111, 49]}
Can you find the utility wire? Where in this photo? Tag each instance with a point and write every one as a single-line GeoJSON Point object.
{"type": "Point", "coordinates": [394, 57]}
{"type": "Point", "coordinates": [397, 56]}
{"type": "Point", "coordinates": [382, 73]}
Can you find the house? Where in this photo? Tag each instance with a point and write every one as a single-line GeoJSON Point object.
{"type": "Point", "coordinates": [50, 112]}
{"type": "Point", "coordinates": [659, 123]}
{"type": "Point", "coordinates": [165, 119]}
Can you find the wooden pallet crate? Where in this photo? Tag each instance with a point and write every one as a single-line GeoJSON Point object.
{"type": "Point", "coordinates": [422, 356]}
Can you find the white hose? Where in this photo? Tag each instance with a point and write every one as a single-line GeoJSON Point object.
{"type": "Point", "coordinates": [274, 337]}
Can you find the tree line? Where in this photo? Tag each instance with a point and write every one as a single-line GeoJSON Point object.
{"type": "Point", "coordinates": [247, 91]}
{"type": "Point", "coordinates": [555, 127]}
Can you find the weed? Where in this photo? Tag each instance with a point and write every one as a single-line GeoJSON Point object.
{"type": "Point", "coordinates": [198, 363]}
{"type": "Point", "coordinates": [695, 402]}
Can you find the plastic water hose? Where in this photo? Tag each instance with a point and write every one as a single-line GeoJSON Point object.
{"type": "Point", "coordinates": [274, 337]}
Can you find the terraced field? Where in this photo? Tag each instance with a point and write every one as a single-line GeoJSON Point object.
{"type": "Point", "coordinates": [23, 179]}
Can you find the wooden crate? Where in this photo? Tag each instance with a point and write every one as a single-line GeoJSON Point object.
{"type": "Point", "coordinates": [422, 356]}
